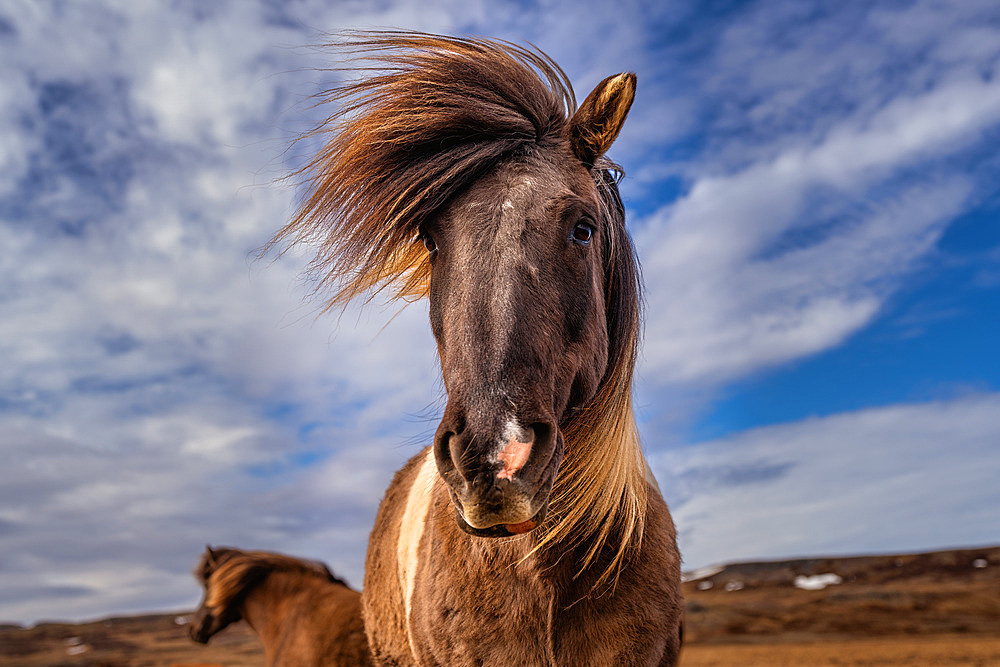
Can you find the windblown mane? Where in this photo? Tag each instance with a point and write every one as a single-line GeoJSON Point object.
{"type": "Point", "coordinates": [229, 574]}
{"type": "Point", "coordinates": [432, 115]}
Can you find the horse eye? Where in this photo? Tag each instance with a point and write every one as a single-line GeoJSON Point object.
{"type": "Point", "coordinates": [429, 243]}
{"type": "Point", "coordinates": [583, 232]}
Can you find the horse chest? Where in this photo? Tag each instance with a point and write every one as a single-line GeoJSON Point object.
{"type": "Point", "coordinates": [504, 621]}
{"type": "Point", "coordinates": [435, 596]}
{"type": "Point", "coordinates": [523, 625]}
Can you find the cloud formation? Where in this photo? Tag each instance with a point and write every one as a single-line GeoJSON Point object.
{"type": "Point", "coordinates": [876, 480]}
{"type": "Point", "coordinates": [791, 235]}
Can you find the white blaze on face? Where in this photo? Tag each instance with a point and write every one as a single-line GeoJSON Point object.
{"type": "Point", "coordinates": [510, 263]}
{"type": "Point", "coordinates": [513, 448]}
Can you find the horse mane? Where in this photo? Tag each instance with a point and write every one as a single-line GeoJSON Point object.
{"type": "Point", "coordinates": [229, 574]}
{"type": "Point", "coordinates": [433, 114]}
{"type": "Point", "coordinates": [428, 116]}
{"type": "Point", "coordinates": [600, 493]}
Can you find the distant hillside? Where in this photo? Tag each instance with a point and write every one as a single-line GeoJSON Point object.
{"type": "Point", "coordinates": [947, 594]}
{"type": "Point", "coordinates": [955, 591]}
{"type": "Point", "coordinates": [154, 640]}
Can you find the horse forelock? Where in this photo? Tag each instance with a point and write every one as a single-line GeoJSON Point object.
{"type": "Point", "coordinates": [428, 115]}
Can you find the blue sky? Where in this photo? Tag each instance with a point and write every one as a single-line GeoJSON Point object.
{"type": "Point", "coordinates": [812, 188]}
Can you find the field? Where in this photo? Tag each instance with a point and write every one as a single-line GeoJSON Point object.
{"type": "Point", "coordinates": [939, 608]}
{"type": "Point", "coordinates": [931, 651]}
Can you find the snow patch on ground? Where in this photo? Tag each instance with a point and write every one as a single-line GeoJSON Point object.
{"type": "Point", "coordinates": [817, 582]}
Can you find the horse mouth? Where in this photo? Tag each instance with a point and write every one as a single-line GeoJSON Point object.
{"type": "Point", "coordinates": [506, 506]}
{"type": "Point", "coordinates": [503, 529]}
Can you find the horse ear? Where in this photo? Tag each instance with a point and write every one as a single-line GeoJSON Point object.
{"type": "Point", "coordinates": [597, 122]}
{"type": "Point", "coordinates": [212, 558]}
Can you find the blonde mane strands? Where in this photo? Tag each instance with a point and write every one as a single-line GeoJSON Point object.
{"type": "Point", "coordinates": [430, 115]}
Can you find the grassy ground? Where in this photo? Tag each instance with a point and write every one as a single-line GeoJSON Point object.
{"type": "Point", "coordinates": [139, 641]}
{"type": "Point", "coordinates": [942, 651]}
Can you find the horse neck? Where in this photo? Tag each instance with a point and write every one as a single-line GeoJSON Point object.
{"type": "Point", "coordinates": [269, 607]}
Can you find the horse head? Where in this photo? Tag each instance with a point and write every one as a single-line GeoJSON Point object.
{"type": "Point", "coordinates": [464, 172]}
{"type": "Point", "coordinates": [217, 609]}
{"type": "Point", "coordinates": [518, 306]}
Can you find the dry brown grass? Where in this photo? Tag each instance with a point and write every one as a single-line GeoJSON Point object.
{"type": "Point", "coordinates": [940, 651]}
{"type": "Point", "coordinates": [142, 641]}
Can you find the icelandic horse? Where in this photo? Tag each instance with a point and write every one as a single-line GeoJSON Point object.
{"type": "Point", "coordinates": [531, 532]}
{"type": "Point", "coordinates": [303, 615]}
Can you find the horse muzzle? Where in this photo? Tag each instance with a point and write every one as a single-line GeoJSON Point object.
{"type": "Point", "coordinates": [199, 628]}
{"type": "Point", "coordinates": [501, 490]}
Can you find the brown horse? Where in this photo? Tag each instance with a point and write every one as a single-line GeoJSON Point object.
{"type": "Point", "coordinates": [531, 532]}
{"type": "Point", "coordinates": [302, 614]}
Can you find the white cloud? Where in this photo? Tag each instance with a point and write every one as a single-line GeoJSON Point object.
{"type": "Point", "coordinates": [792, 252]}
{"type": "Point", "coordinates": [721, 306]}
{"type": "Point", "coordinates": [904, 477]}
{"type": "Point", "coordinates": [203, 81]}
{"type": "Point", "coordinates": [151, 491]}
{"type": "Point", "coordinates": [15, 144]}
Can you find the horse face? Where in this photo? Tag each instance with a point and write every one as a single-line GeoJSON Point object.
{"type": "Point", "coordinates": [517, 305]}
{"type": "Point", "coordinates": [205, 623]}
{"type": "Point", "coordinates": [517, 308]}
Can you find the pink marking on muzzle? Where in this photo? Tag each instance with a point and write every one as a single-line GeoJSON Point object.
{"type": "Point", "coordinates": [514, 455]}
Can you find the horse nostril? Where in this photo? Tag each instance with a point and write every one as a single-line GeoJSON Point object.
{"type": "Point", "coordinates": [445, 462]}
{"type": "Point", "coordinates": [528, 462]}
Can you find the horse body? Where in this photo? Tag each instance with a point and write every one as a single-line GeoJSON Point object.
{"type": "Point", "coordinates": [303, 616]}
{"type": "Point", "coordinates": [481, 601]}
{"type": "Point", "coordinates": [529, 532]}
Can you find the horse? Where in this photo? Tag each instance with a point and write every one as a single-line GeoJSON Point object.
{"type": "Point", "coordinates": [302, 614]}
{"type": "Point", "coordinates": [531, 531]}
